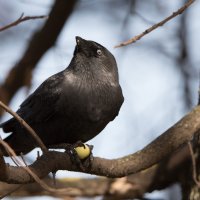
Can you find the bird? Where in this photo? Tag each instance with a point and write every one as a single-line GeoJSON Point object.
{"type": "Point", "coordinates": [72, 105]}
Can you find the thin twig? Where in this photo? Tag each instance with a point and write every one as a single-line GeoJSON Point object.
{"type": "Point", "coordinates": [22, 19]}
{"type": "Point", "coordinates": [26, 126]}
{"type": "Point", "coordinates": [155, 26]}
{"type": "Point", "coordinates": [23, 159]}
{"type": "Point", "coordinates": [193, 165]}
{"type": "Point", "coordinates": [14, 161]}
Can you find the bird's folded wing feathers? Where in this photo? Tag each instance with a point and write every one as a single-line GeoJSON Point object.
{"type": "Point", "coordinates": [40, 106]}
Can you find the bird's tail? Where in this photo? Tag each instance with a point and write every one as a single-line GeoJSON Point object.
{"type": "Point", "coordinates": [18, 140]}
{"type": "Point", "coordinates": [9, 125]}
{"type": "Point", "coordinates": [12, 142]}
{"type": "Point", "coordinates": [17, 143]}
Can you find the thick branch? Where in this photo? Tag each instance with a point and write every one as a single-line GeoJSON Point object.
{"type": "Point", "coordinates": [165, 144]}
{"type": "Point", "coordinates": [169, 171]}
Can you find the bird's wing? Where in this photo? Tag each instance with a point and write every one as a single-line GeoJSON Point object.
{"type": "Point", "coordinates": [40, 106]}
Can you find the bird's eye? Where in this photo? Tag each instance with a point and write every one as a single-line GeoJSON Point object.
{"type": "Point", "coordinates": [99, 52]}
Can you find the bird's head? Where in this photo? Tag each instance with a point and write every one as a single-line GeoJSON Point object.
{"type": "Point", "coordinates": [93, 56]}
{"type": "Point", "coordinates": [90, 48]}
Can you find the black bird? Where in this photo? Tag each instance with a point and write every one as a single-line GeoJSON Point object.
{"type": "Point", "coordinates": [72, 105]}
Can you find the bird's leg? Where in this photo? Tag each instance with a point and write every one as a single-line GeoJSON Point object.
{"type": "Point", "coordinates": [69, 148]}
{"type": "Point", "coordinates": [89, 159]}
{"type": "Point", "coordinates": [80, 153]}
{"type": "Point", "coordinates": [75, 159]}
{"type": "Point", "coordinates": [85, 154]}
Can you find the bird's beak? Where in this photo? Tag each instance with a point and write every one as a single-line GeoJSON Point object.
{"type": "Point", "coordinates": [81, 46]}
{"type": "Point", "coordinates": [79, 41]}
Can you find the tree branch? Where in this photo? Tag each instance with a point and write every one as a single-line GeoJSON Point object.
{"type": "Point", "coordinates": [155, 26]}
{"type": "Point", "coordinates": [22, 19]}
{"type": "Point", "coordinates": [169, 171]}
{"type": "Point", "coordinates": [165, 144]}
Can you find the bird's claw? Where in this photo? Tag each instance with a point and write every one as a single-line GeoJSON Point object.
{"type": "Point", "coordinates": [74, 156]}
{"type": "Point", "coordinates": [83, 164]}
{"type": "Point", "coordinates": [70, 149]}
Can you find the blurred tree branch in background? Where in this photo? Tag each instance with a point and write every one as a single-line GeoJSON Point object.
{"type": "Point", "coordinates": [21, 19]}
{"type": "Point", "coordinates": [155, 26]}
{"type": "Point", "coordinates": [184, 63]}
{"type": "Point", "coordinates": [21, 74]}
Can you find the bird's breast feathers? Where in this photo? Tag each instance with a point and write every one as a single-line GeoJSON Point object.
{"type": "Point", "coordinates": [95, 99]}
